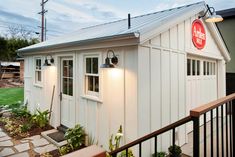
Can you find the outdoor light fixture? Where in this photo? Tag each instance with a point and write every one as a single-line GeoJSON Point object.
{"type": "Point", "coordinates": [213, 17]}
{"type": "Point", "coordinates": [48, 61]}
{"type": "Point", "coordinates": [110, 62]}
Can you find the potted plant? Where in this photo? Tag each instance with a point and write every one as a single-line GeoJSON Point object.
{"type": "Point", "coordinates": [174, 152]}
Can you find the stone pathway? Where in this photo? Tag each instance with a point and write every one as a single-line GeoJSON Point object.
{"type": "Point", "coordinates": [26, 147]}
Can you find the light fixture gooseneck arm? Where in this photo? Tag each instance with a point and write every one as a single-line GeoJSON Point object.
{"type": "Point", "coordinates": [208, 9]}
{"type": "Point", "coordinates": [110, 51]}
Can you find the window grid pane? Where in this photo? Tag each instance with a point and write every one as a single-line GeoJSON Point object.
{"type": "Point", "coordinates": [91, 76]}
{"type": "Point", "coordinates": [208, 68]}
{"type": "Point", "coordinates": [193, 67]}
{"type": "Point", "coordinates": [198, 67]}
{"type": "Point", "coordinates": [88, 65]}
{"type": "Point", "coordinates": [38, 73]}
{"type": "Point", "coordinates": [188, 67]}
{"type": "Point", "coordinates": [67, 80]}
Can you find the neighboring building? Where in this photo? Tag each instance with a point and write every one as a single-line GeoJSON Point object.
{"type": "Point", "coordinates": [228, 32]}
{"type": "Point", "coordinates": [9, 70]}
{"type": "Point", "coordinates": [21, 60]}
{"type": "Point", "coordinates": [159, 77]}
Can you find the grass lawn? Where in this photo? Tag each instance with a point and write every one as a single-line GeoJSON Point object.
{"type": "Point", "coordinates": [11, 95]}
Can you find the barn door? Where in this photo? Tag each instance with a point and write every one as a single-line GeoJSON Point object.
{"type": "Point", "coordinates": [201, 81]}
{"type": "Point", "coordinates": [67, 100]}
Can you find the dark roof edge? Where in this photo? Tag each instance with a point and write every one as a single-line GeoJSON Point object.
{"type": "Point", "coordinates": [88, 41]}
{"type": "Point", "coordinates": [227, 13]}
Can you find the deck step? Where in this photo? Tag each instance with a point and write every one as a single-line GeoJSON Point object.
{"type": "Point", "coordinates": [47, 134]}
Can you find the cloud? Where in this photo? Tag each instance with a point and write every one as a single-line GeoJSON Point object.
{"type": "Point", "coordinates": [172, 4]}
{"type": "Point", "coordinates": [17, 19]}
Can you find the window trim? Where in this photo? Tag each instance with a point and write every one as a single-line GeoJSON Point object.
{"type": "Point", "coordinates": [88, 93]}
{"type": "Point", "coordinates": [36, 82]}
{"type": "Point", "coordinates": [207, 67]}
{"type": "Point", "coordinates": [67, 77]}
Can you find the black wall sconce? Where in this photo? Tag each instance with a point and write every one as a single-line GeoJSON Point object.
{"type": "Point", "coordinates": [110, 62]}
{"type": "Point", "coordinates": [48, 61]}
{"type": "Point", "coordinates": [213, 17]}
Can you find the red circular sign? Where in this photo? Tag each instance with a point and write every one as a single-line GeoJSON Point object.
{"type": "Point", "coordinates": [198, 34]}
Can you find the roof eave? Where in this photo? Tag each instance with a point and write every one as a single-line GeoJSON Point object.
{"type": "Point", "coordinates": [81, 42]}
{"type": "Point", "coordinates": [220, 42]}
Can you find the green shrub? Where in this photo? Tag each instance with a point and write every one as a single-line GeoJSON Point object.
{"type": "Point", "coordinates": [14, 106]}
{"type": "Point", "coordinates": [123, 154]}
{"type": "Point", "coordinates": [64, 150]}
{"type": "Point", "coordinates": [25, 127]}
{"type": "Point", "coordinates": [177, 152]}
{"type": "Point", "coordinates": [114, 144]}
{"type": "Point", "coordinates": [41, 118]}
{"type": "Point", "coordinates": [160, 154]}
{"type": "Point", "coordinates": [75, 137]}
{"type": "Point", "coordinates": [21, 112]}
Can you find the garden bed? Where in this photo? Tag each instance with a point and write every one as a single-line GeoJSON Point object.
{"type": "Point", "coordinates": [14, 129]}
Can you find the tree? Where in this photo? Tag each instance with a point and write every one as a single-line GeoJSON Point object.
{"type": "Point", "coordinates": [20, 31]}
{"type": "Point", "coordinates": [9, 47]}
{"type": "Point", "coordinates": [3, 49]}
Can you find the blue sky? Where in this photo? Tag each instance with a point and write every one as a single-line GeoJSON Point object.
{"type": "Point", "coordinates": [66, 16]}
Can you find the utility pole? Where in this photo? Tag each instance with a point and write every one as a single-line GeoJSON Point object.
{"type": "Point", "coordinates": [42, 13]}
{"type": "Point", "coordinates": [45, 29]}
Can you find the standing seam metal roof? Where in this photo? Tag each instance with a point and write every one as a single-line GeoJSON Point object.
{"type": "Point", "coordinates": [139, 24]}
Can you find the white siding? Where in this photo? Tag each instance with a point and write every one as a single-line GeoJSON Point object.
{"type": "Point", "coordinates": [162, 100]}
{"type": "Point", "coordinates": [40, 97]}
{"type": "Point", "coordinates": [145, 92]}
{"type": "Point", "coordinates": [165, 90]}
{"type": "Point", "coordinates": [118, 88]}
{"type": "Point", "coordinates": [119, 99]}
{"type": "Point", "coordinates": [144, 123]}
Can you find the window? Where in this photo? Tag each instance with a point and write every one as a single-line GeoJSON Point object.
{"type": "Point", "coordinates": [209, 68]}
{"type": "Point", "coordinates": [38, 70]}
{"type": "Point", "coordinates": [67, 77]}
{"type": "Point", "coordinates": [92, 75]}
{"type": "Point", "coordinates": [193, 67]}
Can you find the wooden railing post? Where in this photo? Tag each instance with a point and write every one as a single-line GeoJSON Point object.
{"type": "Point", "coordinates": [196, 137]}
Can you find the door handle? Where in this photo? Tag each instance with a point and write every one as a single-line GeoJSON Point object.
{"type": "Point", "coordinates": [60, 96]}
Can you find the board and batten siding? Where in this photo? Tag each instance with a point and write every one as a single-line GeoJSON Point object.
{"type": "Point", "coordinates": [162, 79]}
{"type": "Point", "coordinates": [118, 95]}
{"type": "Point", "coordinates": [118, 89]}
{"type": "Point", "coordinates": [39, 96]}
{"type": "Point", "coordinates": [162, 85]}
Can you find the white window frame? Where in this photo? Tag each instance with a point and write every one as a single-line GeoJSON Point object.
{"type": "Point", "coordinates": [209, 70]}
{"type": "Point", "coordinates": [197, 67]}
{"type": "Point", "coordinates": [37, 70]}
{"type": "Point", "coordinates": [87, 91]}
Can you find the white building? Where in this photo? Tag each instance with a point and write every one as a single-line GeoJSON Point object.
{"type": "Point", "coordinates": [159, 77]}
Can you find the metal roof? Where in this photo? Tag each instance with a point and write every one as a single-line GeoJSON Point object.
{"type": "Point", "coordinates": [139, 25]}
{"type": "Point", "coordinates": [227, 13]}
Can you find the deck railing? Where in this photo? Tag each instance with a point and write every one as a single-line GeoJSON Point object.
{"type": "Point", "coordinates": [225, 147]}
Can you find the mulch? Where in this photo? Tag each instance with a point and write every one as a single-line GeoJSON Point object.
{"type": "Point", "coordinates": [10, 83]}
{"type": "Point", "coordinates": [32, 132]}
{"type": "Point", "coordinates": [54, 153]}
